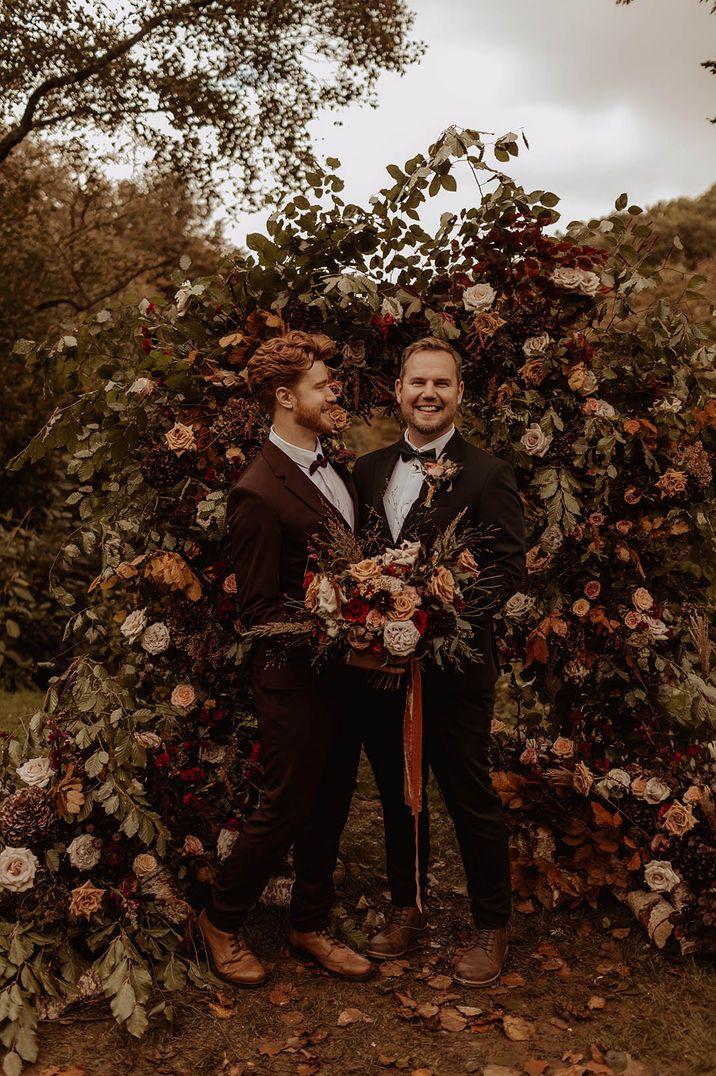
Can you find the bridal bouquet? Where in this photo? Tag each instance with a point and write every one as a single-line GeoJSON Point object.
{"type": "Point", "coordinates": [409, 602]}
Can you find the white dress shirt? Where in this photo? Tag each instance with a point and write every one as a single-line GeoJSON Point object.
{"type": "Point", "coordinates": [405, 483]}
{"type": "Point", "coordinates": [325, 478]}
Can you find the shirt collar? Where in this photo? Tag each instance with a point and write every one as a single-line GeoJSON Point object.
{"type": "Point", "coordinates": [304, 457]}
{"type": "Point", "coordinates": [438, 444]}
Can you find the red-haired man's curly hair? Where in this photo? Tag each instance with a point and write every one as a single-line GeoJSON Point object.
{"type": "Point", "coordinates": [281, 361]}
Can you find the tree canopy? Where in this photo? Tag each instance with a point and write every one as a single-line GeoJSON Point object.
{"type": "Point", "coordinates": [202, 86]}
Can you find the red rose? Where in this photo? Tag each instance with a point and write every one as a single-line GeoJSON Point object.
{"type": "Point", "coordinates": [420, 619]}
{"type": "Point", "coordinates": [308, 579]}
{"type": "Point", "coordinates": [356, 610]}
{"type": "Point", "coordinates": [162, 761]}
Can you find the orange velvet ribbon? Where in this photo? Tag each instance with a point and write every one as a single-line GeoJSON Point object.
{"type": "Point", "coordinates": [413, 757]}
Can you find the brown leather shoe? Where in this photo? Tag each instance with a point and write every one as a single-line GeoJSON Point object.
{"type": "Point", "coordinates": [482, 964]}
{"type": "Point", "coordinates": [402, 931]}
{"type": "Point", "coordinates": [230, 957]}
{"type": "Point", "coordinates": [323, 949]}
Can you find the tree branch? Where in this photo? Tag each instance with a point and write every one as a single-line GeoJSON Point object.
{"type": "Point", "coordinates": [48, 304]}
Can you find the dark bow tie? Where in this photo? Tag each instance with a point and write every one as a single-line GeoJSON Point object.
{"type": "Point", "coordinates": [407, 452]}
{"type": "Point", "coordinates": [320, 461]}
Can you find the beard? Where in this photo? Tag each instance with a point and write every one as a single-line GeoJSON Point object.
{"type": "Point", "coordinates": [316, 419]}
{"type": "Point", "coordinates": [433, 425]}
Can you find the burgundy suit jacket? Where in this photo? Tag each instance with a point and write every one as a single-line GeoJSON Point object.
{"type": "Point", "coordinates": [273, 510]}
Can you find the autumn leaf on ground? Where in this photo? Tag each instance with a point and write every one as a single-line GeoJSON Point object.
{"type": "Point", "coordinates": [525, 907]}
{"type": "Point", "coordinates": [422, 1072]}
{"type": "Point", "coordinates": [283, 994]}
{"type": "Point", "coordinates": [391, 969]}
{"type": "Point", "coordinates": [386, 1061]}
{"type": "Point", "coordinates": [353, 1016]}
{"type": "Point", "coordinates": [469, 1010]}
{"type": "Point", "coordinates": [452, 1020]}
{"type": "Point", "coordinates": [517, 1028]}
{"type": "Point", "coordinates": [513, 980]}
{"type": "Point", "coordinates": [221, 1012]}
{"type": "Point", "coordinates": [52, 1070]}
{"type": "Point", "coordinates": [272, 1049]}
{"type": "Point", "coordinates": [405, 1000]}
{"type": "Point", "coordinates": [595, 1002]}
{"type": "Point", "coordinates": [534, 1067]}
{"type": "Point", "coordinates": [427, 1010]}
{"type": "Point", "coordinates": [440, 982]}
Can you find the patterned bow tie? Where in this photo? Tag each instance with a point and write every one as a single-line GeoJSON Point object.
{"type": "Point", "coordinates": [407, 452]}
{"type": "Point", "coordinates": [320, 461]}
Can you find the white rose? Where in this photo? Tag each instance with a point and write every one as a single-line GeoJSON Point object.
{"type": "Point", "coordinates": [536, 345]}
{"type": "Point", "coordinates": [711, 748]}
{"type": "Point", "coordinates": [36, 772]}
{"type": "Point", "coordinates": [657, 628]}
{"type": "Point", "coordinates": [328, 602]}
{"type": "Point", "coordinates": [400, 637]}
{"type": "Point", "coordinates": [618, 782]}
{"type": "Point", "coordinates": [656, 791]}
{"type": "Point", "coordinates": [576, 280]}
{"type": "Point", "coordinates": [134, 624]}
{"type": "Point", "coordinates": [185, 293]}
{"type": "Point", "coordinates": [406, 553]}
{"type": "Point", "coordinates": [519, 605]}
{"type": "Point", "coordinates": [225, 842]}
{"type": "Point", "coordinates": [148, 740]}
{"type": "Point", "coordinates": [143, 386]}
{"type": "Point", "coordinates": [660, 877]}
{"type": "Point", "coordinates": [672, 406]}
{"type": "Point", "coordinates": [479, 297]}
{"type": "Point", "coordinates": [535, 441]}
{"type": "Point", "coordinates": [156, 638]}
{"type": "Point", "coordinates": [391, 308]}
{"type": "Point", "coordinates": [84, 851]}
{"type": "Point", "coordinates": [18, 867]}
{"type": "Point", "coordinates": [604, 410]}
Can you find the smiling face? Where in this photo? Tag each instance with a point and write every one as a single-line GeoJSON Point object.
{"type": "Point", "coordinates": [429, 394]}
{"type": "Point", "coordinates": [307, 404]}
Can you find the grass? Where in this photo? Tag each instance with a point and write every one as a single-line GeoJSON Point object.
{"type": "Point", "coordinates": [16, 709]}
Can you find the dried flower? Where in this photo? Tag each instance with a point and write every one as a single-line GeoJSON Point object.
{"type": "Point", "coordinates": [156, 638]}
{"type": "Point", "coordinates": [534, 371]}
{"type": "Point", "coordinates": [400, 638]}
{"type": "Point", "coordinates": [581, 607]}
{"type": "Point", "coordinates": [592, 589]}
{"type": "Point", "coordinates": [229, 584]}
{"type": "Point", "coordinates": [618, 782]}
{"type": "Point", "coordinates": [518, 606]}
{"type": "Point", "coordinates": [467, 563]}
{"type": "Point", "coordinates": [18, 867]}
{"type": "Point", "coordinates": [149, 740]}
{"type": "Point", "coordinates": [563, 747]}
{"type": "Point", "coordinates": [143, 386]}
{"type": "Point", "coordinates": [406, 553]}
{"type": "Point", "coordinates": [225, 842]}
{"type": "Point", "coordinates": [363, 570]}
{"type": "Point", "coordinates": [582, 779]}
{"type": "Point", "coordinates": [679, 819]}
{"type": "Point", "coordinates": [632, 495]}
{"type": "Point", "coordinates": [671, 483]}
{"type": "Point", "coordinates": [144, 864]}
{"type": "Point", "coordinates": [641, 599]}
{"type": "Point", "coordinates": [536, 345]}
{"type": "Point", "coordinates": [85, 900]}
{"type": "Point", "coordinates": [405, 602]}
{"type": "Point", "coordinates": [193, 846]}
{"type": "Point", "coordinates": [84, 851]}
{"type": "Point", "coordinates": [180, 439]}
{"type": "Point", "coordinates": [340, 418]}
{"type": "Point", "coordinates": [552, 538]}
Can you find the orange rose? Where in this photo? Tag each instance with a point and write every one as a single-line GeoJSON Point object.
{"type": "Point", "coordinates": [581, 607]}
{"type": "Point", "coordinates": [563, 747]}
{"type": "Point", "coordinates": [671, 483]}
{"type": "Point", "coordinates": [85, 900]}
{"type": "Point", "coordinates": [364, 570]}
{"type": "Point", "coordinates": [340, 417]}
{"type": "Point", "coordinates": [405, 602]}
{"type": "Point", "coordinates": [534, 372]}
{"type": "Point", "coordinates": [183, 696]}
{"type": "Point", "coordinates": [631, 425]}
{"type": "Point", "coordinates": [467, 563]}
{"type": "Point", "coordinates": [679, 819]}
{"type": "Point", "coordinates": [592, 589]}
{"type": "Point", "coordinates": [442, 584]}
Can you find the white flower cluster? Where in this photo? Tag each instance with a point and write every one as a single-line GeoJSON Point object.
{"type": "Point", "coordinates": [478, 298]}
{"type": "Point", "coordinates": [578, 280]}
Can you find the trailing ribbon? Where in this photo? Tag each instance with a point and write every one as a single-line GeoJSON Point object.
{"type": "Point", "coordinates": [413, 758]}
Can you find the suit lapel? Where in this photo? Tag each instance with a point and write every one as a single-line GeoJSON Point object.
{"type": "Point", "coordinates": [298, 483]}
{"type": "Point", "coordinates": [381, 476]}
{"type": "Point", "coordinates": [345, 474]}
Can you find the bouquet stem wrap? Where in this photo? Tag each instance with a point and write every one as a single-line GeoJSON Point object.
{"type": "Point", "coordinates": [413, 758]}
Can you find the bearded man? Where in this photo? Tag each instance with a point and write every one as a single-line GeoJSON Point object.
{"type": "Point", "coordinates": [457, 706]}
{"type": "Point", "coordinates": [310, 745]}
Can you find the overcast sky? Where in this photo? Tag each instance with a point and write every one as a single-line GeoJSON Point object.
{"type": "Point", "coordinates": [610, 98]}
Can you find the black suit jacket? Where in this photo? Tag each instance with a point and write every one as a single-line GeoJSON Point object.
{"type": "Point", "coordinates": [273, 510]}
{"type": "Point", "coordinates": [486, 487]}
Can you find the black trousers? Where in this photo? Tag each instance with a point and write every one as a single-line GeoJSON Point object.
{"type": "Point", "coordinates": [457, 713]}
{"type": "Point", "coordinates": [310, 747]}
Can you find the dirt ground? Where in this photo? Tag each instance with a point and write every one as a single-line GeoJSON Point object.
{"type": "Point", "coordinates": [582, 992]}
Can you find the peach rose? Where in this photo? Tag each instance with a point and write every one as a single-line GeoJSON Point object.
{"type": "Point", "coordinates": [582, 779]}
{"type": "Point", "coordinates": [193, 846]}
{"type": "Point", "coordinates": [624, 527]}
{"type": "Point", "coordinates": [632, 495]}
{"type": "Point", "coordinates": [148, 740]}
{"type": "Point", "coordinates": [467, 563]}
{"type": "Point", "coordinates": [622, 552]}
{"type": "Point", "coordinates": [310, 599]}
{"type": "Point", "coordinates": [563, 747]}
{"type": "Point", "coordinates": [85, 900]}
{"type": "Point", "coordinates": [144, 864]}
{"type": "Point", "coordinates": [183, 696]}
{"type": "Point", "coordinates": [581, 607]}
{"type": "Point", "coordinates": [405, 602]}
{"type": "Point", "coordinates": [638, 786]}
{"type": "Point", "coordinates": [632, 620]}
{"type": "Point", "coordinates": [529, 756]}
{"type": "Point", "coordinates": [597, 519]}
{"type": "Point", "coordinates": [671, 483]}
{"type": "Point", "coordinates": [340, 418]}
{"type": "Point", "coordinates": [679, 819]}
{"type": "Point", "coordinates": [442, 584]}
{"type": "Point", "coordinates": [592, 589]}
{"type": "Point", "coordinates": [180, 439]}
{"type": "Point", "coordinates": [631, 425]}
{"type": "Point", "coordinates": [641, 599]}
{"type": "Point", "coordinates": [375, 620]}
{"type": "Point", "coordinates": [693, 794]}
{"type": "Point", "coordinates": [229, 584]}
{"type": "Point", "coordinates": [364, 570]}
{"type": "Point", "coordinates": [534, 371]}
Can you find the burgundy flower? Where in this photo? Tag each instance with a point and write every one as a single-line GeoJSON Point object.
{"type": "Point", "coordinates": [420, 619]}
{"type": "Point", "coordinates": [356, 610]}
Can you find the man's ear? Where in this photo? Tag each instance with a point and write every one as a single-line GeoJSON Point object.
{"type": "Point", "coordinates": [460, 392]}
{"type": "Point", "coordinates": [398, 389]}
{"type": "Point", "coordinates": [285, 398]}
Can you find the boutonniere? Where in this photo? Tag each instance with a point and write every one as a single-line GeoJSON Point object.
{"type": "Point", "coordinates": [439, 473]}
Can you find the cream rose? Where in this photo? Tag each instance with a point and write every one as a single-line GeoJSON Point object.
{"type": "Point", "coordinates": [18, 867]}
{"type": "Point", "coordinates": [679, 819]}
{"type": "Point", "coordinates": [536, 345]}
{"type": "Point", "coordinates": [144, 864]}
{"type": "Point", "coordinates": [328, 602]}
{"type": "Point", "coordinates": [134, 624]}
{"type": "Point", "coordinates": [84, 851]}
{"type": "Point", "coordinates": [183, 696]}
{"type": "Point", "coordinates": [657, 629]}
{"type": "Point", "coordinates": [642, 600]}
{"type": "Point", "coordinates": [406, 553]}
{"type": "Point", "coordinates": [148, 740]}
{"type": "Point", "coordinates": [156, 638]}
{"type": "Point", "coordinates": [225, 842]}
{"type": "Point", "coordinates": [180, 439]}
{"type": "Point", "coordinates": [85, 900]}
{"type": "Point", "coordinates": [581, 607]}
{"type": "Point", "coordinates": [400, 637]}
{"type": "Point", "coordinates": [404, 604]}
{"type": "Point", "coordinates": [391, 308]}
{"type": "Point", "coordinates": [656, 791]}
{"type": "Point", "coordinates": [632, 620]}
{"type": "Point", "coordinates": [618, 782]}
{"type": "Point", "coordinates": [193, 846]}
{"type": "Point", "coordinates": [518, 606]}
{"type": "Point", "coordinates": [36, 772]}
{"type": "Point", "coordinates": [143, 386]}
{"type": "Point", "coordinates": [467, 563]}
{"type": "Point", "coordinates": [442, 584]}
{"type": "Point", "coordinates": [478, 298]}
{"type": "Point", "coordinates": [535, 441]}
{"type": "Point", "coordinates": [563, 747]}
{"type": "Point", "coordinates": [660, 876]}
{"type": "Point", "coordinates": [579, 280]}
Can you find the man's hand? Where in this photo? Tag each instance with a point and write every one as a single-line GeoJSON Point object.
{"type": "Point", "coordinates": [361, 659]}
